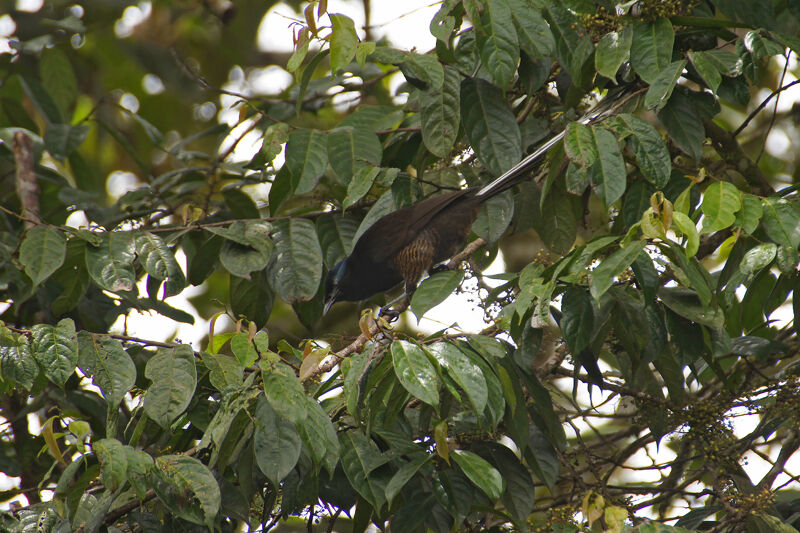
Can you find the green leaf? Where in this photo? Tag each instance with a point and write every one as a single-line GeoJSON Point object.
{"type": "Point", "coordinates": [520, 494]}
{"type": "Point", "coordinates": [306, 159]}
{"type": "Point", "coordinates": [608, 175]}
{"type": "Point", "coordinates": [59, 79]}
{"type": "Point", "coordinates": [110, 264]}
{"type": "Point", "coordinates": [707, 68]}
{"type": "Point", "coordinates": [497, 42]}
{"type": "Point", "coordinates": [285, 393]}
{"type": "Point", "coordinates": [464, 372]}
{"type": "Point", "coordinates": [344, 42]}
{"type": "Point", "coordinates": [319, 436]}
{"type": "Point", "coordinates": [494, 216]}
{"type": "Point", "coordinates": [360, 457]}
{"type": "Point", "coordinates": [42, 252]}
{"type": "Point", "coordinates": [651, 47]}
{"type": "Point", "coordinates": [360, 185]}
{"type": "Point", "coordinates": [336, 236]}
{"type": "Point", "coordinates": [439, 112]}
{"type": "Point", "coordinates": [159, 261]}
{"type": "Point", "coordinates": [415, 371]}
{"type": "Point", "coordinates": [481, 473]}
{"type": "Point", "coordinates": [721, 200]}
{"type": "Point", "coordinates": [490, 125]}
{"type": "Point", "coordinates": [757, 258]}
{"type": "Point", "coordinates": [174, 376]}
{"type": "Point", "coordinates": [579, 144]}
{"type": "Point", "coordinates": [613, 49]}
{"type": "Point", "coordinates": [663, 84]}
{"type": "Point", "coordinates": [533, 33]}
{"type": "Point", "coordinates": [750, 214]}
{"type": "Point", "coordinates": [404, 475]}
{"type": "Point", "coordinates": [685, 225]}
{"type": "Point", "coordinates": [613, 265]}
{"type": "Point", "coordinates": [17, 364]}
{"type": "Point", "coordinates": [108, 364]}
{"type": "Point", "coordinates": [683, 124]}
{"type": "Point", "coordinates": [187, 488]}
{"type": "Point", "coordinates": [351, 148]}
{"type": "Point", "coordinates": [577, 322]}
{"type": "Point", "coordinates": [765, 523]}
{"type": "Point", "coordinates": [782, 221]}
{"type": "Point", "coordinates": [296, 268]}
{"type": "Point", "coordinates": [434, 290]}
{"type": "Point", "coordinates": [422, 70]}
{"type": "Point", "coordinates": [243, 349]}
{"type": "Point", "coordinates": [113, 462]}
{"type": "Point", "coordinates": [276, 444]}
{"type": "Point", "coordinates": [649, 148]}
{"type": "Point", "coordinates": [225, 372]}
{"type": "Point", "coordinates": [55, 348]}
{"type": "Point", "coordinates": [61, 140]}
{"type": "Point", "coordinates": [686, 303]}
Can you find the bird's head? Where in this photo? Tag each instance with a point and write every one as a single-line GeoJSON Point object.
{"type": "Point", "coordinates": [333, 284]}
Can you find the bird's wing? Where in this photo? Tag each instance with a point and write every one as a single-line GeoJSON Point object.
{"type": "Point", "coordinates": [391, 233]}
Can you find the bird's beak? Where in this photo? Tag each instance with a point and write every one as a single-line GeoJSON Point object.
{"type": "Point", "coordinates": [330, 301]}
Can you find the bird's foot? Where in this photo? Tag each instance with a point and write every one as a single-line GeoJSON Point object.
{"type": "Point", "coordinates": [388, 313]}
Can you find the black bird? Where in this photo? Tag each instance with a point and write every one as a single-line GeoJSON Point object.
{"type": "Point", "coordinates": [403, 245]}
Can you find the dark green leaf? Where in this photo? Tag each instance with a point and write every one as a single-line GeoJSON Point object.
{"type": "Point", "coordinates": [306, 159]}
{"type": "Point", "coordinates": [497, 42]}
{"type": "Point", "coordinates": [404, 475]}
{"type": "Point", "coordinates": [296, 267]}
{"type": "Point", "coordinates": [351, 148]}
{"type": "Point", "coordinates": [649, 148]}
{"type": "Point", "coordinates": [494, 217]}
{"type": "Point", "coordinates": [440, 114]}
{"type": "Point", "coordinates": [463, 371]}
{"type": "Point", "coordinates": [490, 125]}
{"type": "Point", "coordinates": [159, 262]}
{"type": "Point", "coordinates": [613, 49]}
{"type": "Point", "coordinates": [113, 462]}
{"type": "Point", "coordinates": [110, 264]}
{"type": "Point", "coordinates": [17, 364]}
{"type": "Point", "coordinates": [782, 221]}
{"type": "Point", "coordinates": [59, 79]}
{"type": "Point", "coordinates": [577, 322]}
{"type": "Point", "coordinates": [276, 444]}
{"type": "Point", "coordinates": [108, 364]}
{"type": "Point", "coordinates": [608, 175]}
{"type": "Point", "coordinates": [434, 290]}
{"type": "Point", "coordinates": [481, 473]}
{"type": "Point", "coordinates": [285, 393]}
{"type": "Point", "coordinates": [651, 47]}
{"type": "Point", "coordinates": [415, 371]}
{"type": "Point", "coordinates": [42, 252]}
{"type": "Point", "coordinates": [533, 32]}
{"type": "Point", "coordinates": [613, 265]}
{"type": "Point", "coordinates": [55, 348]}
{"type": "Point", "coordinates": [174, 376]}
{"type": "Point", "coordinates": [62, 139]}
{"type": "Point", "coordinates": [663, 84]}
{"type": "Point", "coordinates": [187, 487]}
{"type": "Point", "coordinates": [360, 457]}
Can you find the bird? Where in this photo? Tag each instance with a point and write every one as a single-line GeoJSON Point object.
{"type": "Point", "coordinates": [402, 246]}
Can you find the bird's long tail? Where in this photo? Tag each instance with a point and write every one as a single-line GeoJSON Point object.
{"type": "Point", "coordinates": [599, 111]}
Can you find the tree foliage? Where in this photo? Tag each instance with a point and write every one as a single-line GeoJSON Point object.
{"type": "Point", "coordinates": [663, 240]}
